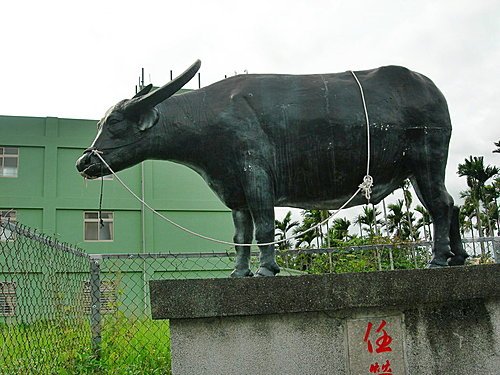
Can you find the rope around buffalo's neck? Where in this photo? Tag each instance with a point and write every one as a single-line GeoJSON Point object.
{"type": "Point", "coordinates": [365, 187]}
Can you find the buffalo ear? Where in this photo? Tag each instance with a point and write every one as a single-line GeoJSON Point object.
{"type": "Point", "coordinates": [148, 119]}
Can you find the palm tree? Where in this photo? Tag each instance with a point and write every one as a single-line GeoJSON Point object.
{"type": "Point", "coordinates": [498, 145]}
{"type": "Point", "coordinates": [477, 174]}
{"type": "Point", "coordinates": [316, 217]}
{"type": "Point", "coordinates": [305, 236]}
{"type": "Point", "coordinates": [424, 222]}
{"type": "Point", "coordinates": [340, 229]}
{"type": "Point", "coordinates": [465, 216]}
{"type": "Point", "coordinates": [282, 228]}
{"type": "Point", "coordinates": [491, 194]}
{"type": "Point", "coordinates": [312, 218]}
{"type": "Point", "coordinates": [395, 218]}
{"type": "Point", "coordinates": [465, 213]}
{"type": "Point", "coordinates": [358, 220]}
{"type": "Point", "coordinates": [488, 210]}
{"type": "Point", "coordinates": [386, 222]}
{"type": "Point", "coordinates": [325, 214]}
{"type": "Point", "coordinates": [408, 227]}
{"type": "Point", "coordinates": [408, 200]}
{"type": "Point", "coordinates": [468, 211]}
{"type": "Point", "coordinates": [369, 218]}
{"type": "Point", "coordinates": [496, 186]}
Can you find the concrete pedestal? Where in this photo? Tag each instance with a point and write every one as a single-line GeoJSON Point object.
{"type": "Point", "coordinates": [436, 321]}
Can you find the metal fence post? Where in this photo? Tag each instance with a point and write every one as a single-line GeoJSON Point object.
{"type": "Point", "coordinates": [95, 304]}
{"type": "Point", "coordinates": [391, 258]}
{"type": "Point", "coordinates": [496, 249]}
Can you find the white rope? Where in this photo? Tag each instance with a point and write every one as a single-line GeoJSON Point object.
{"type": "Point", "coordinates": [98, 154]}
{"type": "Point", "coordinates": [367, 183]}
{"type": "Point", "coordinates": [365, 186]}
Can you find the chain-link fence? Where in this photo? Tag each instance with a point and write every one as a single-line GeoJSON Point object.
{"type": "Point", "coordinates": [42, 312]}
{"type": "Point", "coordinates": [66, 312]}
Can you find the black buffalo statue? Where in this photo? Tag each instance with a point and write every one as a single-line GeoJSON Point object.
{"type": "Point", "coordinates": [266, 140]}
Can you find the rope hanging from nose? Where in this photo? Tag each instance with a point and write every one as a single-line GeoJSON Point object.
{"type": "Point", "coordinates": [101, 222]}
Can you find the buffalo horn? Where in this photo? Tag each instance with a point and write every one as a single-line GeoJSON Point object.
{"type": "Point", "coordinates": [140, 103]}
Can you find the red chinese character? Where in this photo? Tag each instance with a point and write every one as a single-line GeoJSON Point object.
{"type": "Point", "coordinates": [382, 342]}
{"type": "Point", "coordinates": [375, 368]}
{"type": "Point", "coordinates": [384, 370]}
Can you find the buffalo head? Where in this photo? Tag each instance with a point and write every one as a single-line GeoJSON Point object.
{"type": "Point", "coordinates": [123, 134]}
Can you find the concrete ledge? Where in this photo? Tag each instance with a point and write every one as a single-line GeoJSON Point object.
{"type": "Point", "coordinates": [432, 322]}
{"type": "Point", "coordinates": [186, 299]}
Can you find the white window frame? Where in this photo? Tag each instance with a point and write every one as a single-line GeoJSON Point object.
{"type": "Point", "coordinates": [8, 298]}
{"type": "Point", "coordinates": [4, 156]}
{"type": "Point", "coordinates": [99, 229]}
{"type": "Point", "coordinates": [7, 216]}
{"type": "Point", "coordinates": [108, 177]}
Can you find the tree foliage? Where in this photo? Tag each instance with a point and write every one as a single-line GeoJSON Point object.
{"type": "Point", "coordinates": [498, 145]}
{"type": "Point", "coordinates": [402, 223]}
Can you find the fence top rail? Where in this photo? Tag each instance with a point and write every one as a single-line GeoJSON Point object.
{"type": "Point", "coordinates": [481, 239]}
{"type": "Point", "coordinates": [215, 254]}
{"type": "Point", "coordinates": [32, 234]}
{"type": "Point", "coordinates": [168, 255]}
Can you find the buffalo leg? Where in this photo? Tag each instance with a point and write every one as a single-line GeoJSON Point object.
{"type": "Point", "coordinates": [260, 200]}
{"type": "Point", "coordinates": [439, 204]}
{"type": "Point", "coordinates": [264, 233]}
{"type": "Point", "coordinates": [243, 225]}
{"type": "Point", "coordinates": [428, 163]}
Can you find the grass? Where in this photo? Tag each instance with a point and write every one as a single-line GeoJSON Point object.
{"type": "Point", "coordinates": [128, 347]}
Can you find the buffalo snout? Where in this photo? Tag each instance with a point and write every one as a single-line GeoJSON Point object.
{"type": "Point", "coordinates": [90, 166]}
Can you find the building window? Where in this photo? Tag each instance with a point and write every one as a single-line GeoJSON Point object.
{"type": "Point", "coordinates": [5, 217]}
{"type": "Point", "coordinates": [108, 297]}
{"type": "Point", "coordinates": [9, 161]}
{"type": "Point", "coordinates": [97, 230]}
{"type": "Point", "coordinates": [108, 177]}
{"type": "Point", "coordinates": [8, 299]}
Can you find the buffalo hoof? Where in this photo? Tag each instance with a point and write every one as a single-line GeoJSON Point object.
{"type": "Point", "coordinates": [242, 273]}
{"type": "Point", "coordinates": [457, 260]}
{"type": "Point", "coordinates": [437, 264]}
{"type": "Point", "coordinates": [263, 272]}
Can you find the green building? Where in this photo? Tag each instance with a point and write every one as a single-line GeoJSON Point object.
{"type": "Point", "coordinates": [40, 187]}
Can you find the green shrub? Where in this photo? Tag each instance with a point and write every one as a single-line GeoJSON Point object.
{"type": "Point", "coordinates": [128, 347]}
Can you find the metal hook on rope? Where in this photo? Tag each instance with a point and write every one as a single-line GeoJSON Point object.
{"type": "Point", "coordinates": [366, 186]}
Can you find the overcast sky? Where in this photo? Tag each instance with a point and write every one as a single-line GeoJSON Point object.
{"type": "Point", "coordinates": [75, 59]}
